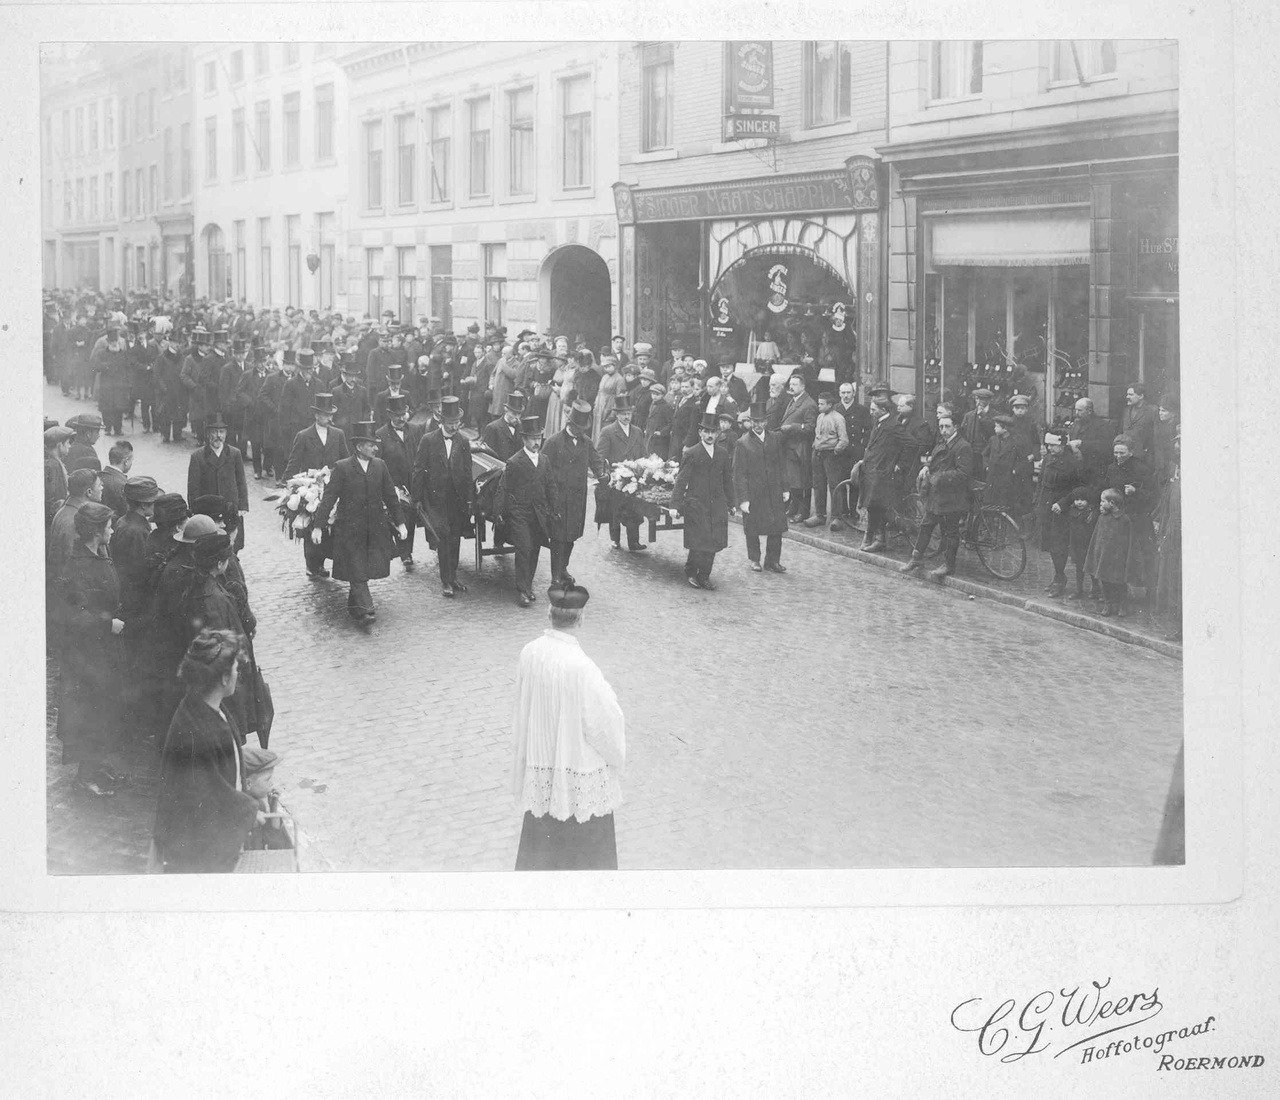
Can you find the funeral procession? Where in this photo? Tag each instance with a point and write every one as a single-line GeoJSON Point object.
{"type": "Point", "coordinates": [611, 455]}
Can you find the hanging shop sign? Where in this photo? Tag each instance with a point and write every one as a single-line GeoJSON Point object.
{"type": "Point", "coordinates": [849, 189]}
{"type": "Point", "coordinates": [750, 75]}
{"type": "Point", "coordinates": [839, 316]}
{"type": "Point", "coordinates": [723, 323]}
{"type": "Point", "coordinates": [740, 127]}
{"type": "Point", "coordinates": [777, 302]}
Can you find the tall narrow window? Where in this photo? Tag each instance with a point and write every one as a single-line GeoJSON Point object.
{"type": "Point", "coordinates": [108, 123]}
{"type": "Point", "coordinates": [184, 161]}
{"type": "Point", "coordinates": [79, 131]}
{"type": "Point", "coordinates": [66, 134]}
{"type": "Point", "coordinates": [237, 143]}
{"type": "Point", "coordinates": [657, 62]}
{"type": "Point", "coordinates": [151, 113]}
{"type": "Point", "coordinates": [139, 116]}
{"type": "Point", "coordinates": [324, 122]}
{"type": "Point", "coordinates": [956, 69]}
{"type": "Point", "coordinates": [520, 162]}
{"type": "Point", "coordinates": [373, 274]}
{"type": "Point", "coordinates": [47, 132]}
{"type": "Point", "coordinates": [237, 67]}
{"type": "Point", "coordinates": [406, 158]}
{"type": "Point", "coordinates": [292, 130]}
{"type": "Point", "coordinates": [263, 135]}
{"type": "Point", "coordinates": [440, 130]}
{"type": "Point", "coordinates": [139, 193]}
{"type": "Point", "coordinates": [93, 127]}
{"type": "Point", "coordinates": [292, 54]}
{"type": "Point", "coordinates": [495, 283]}
{"type": "Point", "coordinates": [406, 261]}
{"type": "Point", "coordinates": [109, 196]}
{"type": "Point", "coordinates": [441, 259]}
{"type": "Point", "coordinates": [153, 179]}
{"type": "Point", "coordinates": [324, 276]}
{"type": "Point", "coordinates": [80, 200]}
{"type": "Point", "coordinates": [66, 201]}
{"type": "Point", "coordinates": [262, 58]}
{"type": "Point", "coordinates": [829, 76]}
{"type": "Point", "coordinates": [575, 97]}
{"type": "Point", "coordinates": [211, 148]}
{"type": "Point", "coordinates": [168, 164]}
{"type": "Point", "coordinates": [373, 165]}
{"type": "Point", "coordinates": [479, 112]}
{"type": "Point", "coordinates": [293, 235]}
{"type": "Point", "coordinates": [1097, 57]}
{"type": "Point", "coordinates": [264, 261]}
{"type": "Point", "coordinates": [93, 198]}
{"type": "Point", "coordinates": [241, 290]}
{"type": "Point", "coordinates": [210, 77]}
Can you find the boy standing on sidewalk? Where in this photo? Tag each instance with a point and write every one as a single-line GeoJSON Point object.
{"type": "Point", "coordinates": [830, 442]}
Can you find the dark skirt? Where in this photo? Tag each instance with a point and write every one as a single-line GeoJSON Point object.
{"type": "Point", "coordinates": [550, 845]}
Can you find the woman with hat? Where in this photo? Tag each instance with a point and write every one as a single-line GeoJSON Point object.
{"type": "Point", "coordinates": [91, 666]}
{"type": "Point", "coordinates": [207, 604]}
{"type": "Point", "coordinates": [370, 508]}
{"type": "Point", "coordinates": [561, 388]}
{"type": "Point", "coordinates": [203, 814]}
{"type": "Point", "coordinates": [704, 493]}
{"type": "Point", "coordinates": [612, 384]}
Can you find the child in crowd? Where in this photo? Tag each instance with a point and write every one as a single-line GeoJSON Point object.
{"type": "Point", "coordinates": [257, 769]}
{"type": "Point", "coordinates": [830, 442]}
{"type": "Point", "coordinates": [1110, 560]}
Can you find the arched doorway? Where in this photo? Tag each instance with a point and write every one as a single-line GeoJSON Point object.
{"type": "Point", "coordinates": [575, 285]}
{"type": "Point", "coordinates": [218, 270]}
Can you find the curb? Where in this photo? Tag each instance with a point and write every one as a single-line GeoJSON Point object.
{"type": "Point", "coordinates": [1009, 599]}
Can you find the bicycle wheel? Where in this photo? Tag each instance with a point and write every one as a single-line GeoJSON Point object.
{"type": "Point", "coordinates": [999, 544]}
{"type": "Point", "coordinates": [908, 520]}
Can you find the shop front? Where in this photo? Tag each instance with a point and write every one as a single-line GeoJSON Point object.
{"type": "Point", "coordinates": [176, 274]}
{"type": "Point", "coordinates": [757, 269]}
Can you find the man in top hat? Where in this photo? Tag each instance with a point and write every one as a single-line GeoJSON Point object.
{"type": "Point", "coordinates": [317, 446]}
{"type": "Point", "coordinates": [760, 491]}
{"type": "Point", "coordinates": [254, 406]}
{"type": "Point", "coordinates": [522, 506]}
{"type": "Point", "coordinates": [171, 395]}
{"type": "Point", "coordinates": [57, 446]}
{"type": "Point", "coordinates": [362, 532]}
{"type": "Point", "coordinates": [217, 469]}
{"type": "Point", "coordinates": [299, 393]}
{"type": "Point", "coordinates": [569, 456]}
{"type": "Point", "coordinates": [395, 388]}
{"type": "Point", "coordinates": [398, 442]}
{"type": "Point", "coordinates": [228, 383]}
{"type": "Point", "coordinates": [351, 399]}
{"type": "Point", "coordinates": [621, 441]}
{"type": "Point", "coordinates": [110, 365]}
{"type": "Point", "coordinates": [82, 455]}
{"type": "Point", "coordinates": [445, 489]}
{"type": "Point", "coordinates": [704, 494]}
{"type": "Point", "coordinates": [327, 369]}
{"type": "Point", "coordinates": [502, 436]}
{"type": "Point", "coordinates": [201, 389]}
{"type": "Point", "coordinates": [142, 388]}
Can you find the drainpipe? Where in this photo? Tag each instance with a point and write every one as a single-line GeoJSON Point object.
{"type": "Point", "coordinates": [887, 220]}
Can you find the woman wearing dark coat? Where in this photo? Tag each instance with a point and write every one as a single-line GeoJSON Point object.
{"type": "Point", "coordinates": [90, 706]}
{"type": "Point", "coordinates": [203, 815]}
{"type": "Point", "coordinates": [703, 494]}
{"type": "Point", "coordinates": [1003, 460]}
{"type": "Point", "coordinates": [1059, 478]}
{"type": "Point", "coordinates": [1133, 477]}
{"type": "Point", "coordinates": [207, 604]}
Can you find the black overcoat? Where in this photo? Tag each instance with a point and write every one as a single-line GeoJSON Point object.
{"type": "Point", "coordinates": [399, 455]}
{"type": "Point", "coordinates": [759, 469]}
{"type": "Point", "coordinates": [522, 499]}
{"type": "Point", "coordinates": [308, 453]}
{"type": "Point", "coordinates": [208, 604]}
{"type": "Point", "coordinates": [880, 462]}
{"type": "Point", "coordinates": [218, 475]}
{"type": "Point", "coordinates": [946, 485]}
{"type": "Point", "coordinates": [443, 485]}
{"type": "Point", "coordinates": [501, 438]}
{"type": "Point", "coordinates": [1059, 477]}
{"type": "Point", "coordinates": [362, 543]}
{"type": "Point", "coordinates": [703, 495]}
{"type": "Point", "coordinates": [568, 460]}
{"type": "Point", "coordinates": [92, 662]}
{"type": "Point", "coordinates": [296, 398]}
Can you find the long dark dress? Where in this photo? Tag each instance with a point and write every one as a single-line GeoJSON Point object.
{"type": "Point", "coordinates": [202, 820]}
{"type": "Point", "coordinates": [208, 604]}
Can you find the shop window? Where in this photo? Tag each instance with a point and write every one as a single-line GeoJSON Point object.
{"type": "Point", "coordinates": [479, 122]}
{"type": "Point", "coordinates": [1095, 57]}
{"type": "Point", "coordinates": [441, 259]}
{"type": "Point", "coordinates": [955, 69]}
{"type": "Point", "coordinates": [495, 283]}
{"type": "Point", "coordinates": [657, 100]}
{"type": "Point", "coordinates": [439, 132]}
{"type": "Point", "coordinates": [828, 82]}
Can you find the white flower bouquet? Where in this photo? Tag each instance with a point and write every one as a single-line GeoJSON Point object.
{"type": "Point", "coordinates": [650, 479]}
{"type": "Point", "coordinates": [299, 501]}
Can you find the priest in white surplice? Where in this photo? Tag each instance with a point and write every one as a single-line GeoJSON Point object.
{"type": "Point", "coordinates": [570, 748]}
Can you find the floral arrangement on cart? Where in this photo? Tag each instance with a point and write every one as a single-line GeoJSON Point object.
{"type": "Point", "coordinates": [649, 479]}
{"type": "Point", "coordinates": [299, 500]}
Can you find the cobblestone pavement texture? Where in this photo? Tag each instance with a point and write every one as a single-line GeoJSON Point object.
{"type": "Point", "coordinates": [835, 716]}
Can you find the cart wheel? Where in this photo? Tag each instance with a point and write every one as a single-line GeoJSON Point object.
{"type": "Point", "coordinates": [999, 544]}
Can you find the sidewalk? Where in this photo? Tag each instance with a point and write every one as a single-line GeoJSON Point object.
{"type": "Point", "coordinates": [1140, 627]}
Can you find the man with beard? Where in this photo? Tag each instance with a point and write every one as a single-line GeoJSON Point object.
{"type": "Point", "coordinates": [110, 365]}
{"type": "Point", "coordinates": [703, 495]}
{"type": "Point", "coordinates": [445, 489]}
{"type": "Point", "coordinates": [502, 436]}
{"type": "Point", "coordinates": [398, 443]}
{"type": "Point", "coordinates": [522, 506]}
{"type": "Point", "coordinates": [313, 448]}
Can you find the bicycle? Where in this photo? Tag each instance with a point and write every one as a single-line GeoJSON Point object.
{"type": "Point", "coordinates": [904, 520]}
{"type": "Point", "coordinates": [993, 534]}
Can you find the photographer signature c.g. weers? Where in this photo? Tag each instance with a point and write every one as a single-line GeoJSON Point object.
{"type": "Point", "coordinates": [1029, 1028]}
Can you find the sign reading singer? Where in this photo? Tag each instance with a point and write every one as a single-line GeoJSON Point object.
{"type": "Point", "coordinates": [750, 75]}
{"type": "Point", "coordinates": [737, 127]}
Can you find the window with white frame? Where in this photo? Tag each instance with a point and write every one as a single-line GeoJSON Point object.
{"type": "Point", "coordinates": [828, 82]}
{"type": "Point", "coordinates": [264, 261]}
{"type": "Point", "coordinates": [261, 58]}
{"type": "Point", "coordinates": [262, 137]}
{"type": "Point", "coordinates": [168, 164]}
{"type": "Point", "coordinates": [238, 144]}
{"type": "Point", "coordinates": [292, 130]}
{"type": "Point", "coordinates": [293, 239]}
{"type": "Point", "coordinates": [66, 201]}
{"type": "Point", "coordinates": [440, 257]}
{"type": "Point", "coordinates": [657, 76]}
{"type": "Point", "coordinates": [93, 198]}
{"type": "Point", "coordinates": [184, 161]}
{"type": "Point", "coordinates": [108, 123]}
{"type": "Point", "coordinates": [955, 70]}
{"type": "Point", "coordinates": [237, 235]}
{"type": "Point", "coordinates": [520, 160]}
{"type": "Point", "coordinates": [406, 261]}
{"type": "Point", "coordinates": [79, 131]}
{"type": "Point", "coordinates": [80, 200]}
{"type": "Point", "coordinates": [406, 158]}
{"type": "Point", "coordinates": [495, 283]}
{"type": "Point", "coordinates": [211, 148]}
{"type": "Point", "coordinates": [210, 77]}
{"type": "Point", "coordinates": [373, 164]}
{"type": "Point", "coordinates": [324, 121]}
{"type": "Point", "coordinates": [1081, 60]}
{"type": "Point", "coordinates": [109, 195]}
{"type": "Point", "coordinates": [373, 276]}
{"type": "Point", "coordinates": [237, 67]}
{"type": "Point", "coordinates": [479, 125]}
{"type": "Point", "coordinates": [575, 128]}
{"type": "Point", "coordinates": [93, 127]}
{"type": "Point", "coordinates": [439, 136]}
{"type": "Point", "coordinates": [139, 193]}
{"type": "Point", "coordinates": [153, 188]}
{"type": "Point", "coordinates": [292, 54]}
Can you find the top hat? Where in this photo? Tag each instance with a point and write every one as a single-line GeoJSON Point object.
{"type": "Point", "coordinates": [579, 415]}
{"type": "Point", "coordinates": [623, 403]}
{"type": "Point", "coordinates": [289, 357]}
{"type": "Point", "coordinates": [323, 403]}
{"type": "Point", "coordinates": [306, 357]}
{"type": "Point", "coordinates": [141, 490]}
{"type": "Point", "coordinates": [397, 403]}
{"type": "Point", "coordinates": [515, 401]}
{"type": "Point", "coordinates": [530, 425]}
{"type": "Point", "coordinates": [347, 365]}
{"type": "Point", "coordinates": [759, 410]}
{"type": "Point", "coordinates": [450, 408]}
{"type": "Point", "coordinates": [394, 370]}
{"type": "Point", "coordinates": [569, 597]}
{"type": "Point", "coordinates": [364, 430]}
{"type": "Point", "coordinates": [710, 422]}
{"type": "Point", "coordinates": [215, 420]}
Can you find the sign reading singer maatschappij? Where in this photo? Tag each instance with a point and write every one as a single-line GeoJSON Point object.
{"type": "Point", "coordinates": [807, 194]}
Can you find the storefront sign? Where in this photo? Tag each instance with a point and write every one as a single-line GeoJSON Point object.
{"type": "Point", "coordinates": [839, 313]}
{"type": "Point", "coordinates": [750, 75]}
{"type": "Point", "coordinates": [738, 127]}
{"type": "Point", "coordinates": [810, 193]}
{"type": "Point", "coordinates": [1154, 268]}
{"type": "Point", "coordinates": [777, 302]}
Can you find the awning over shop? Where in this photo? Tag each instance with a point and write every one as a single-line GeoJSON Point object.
{"type": "Point", "coordinates": [1002, 240]}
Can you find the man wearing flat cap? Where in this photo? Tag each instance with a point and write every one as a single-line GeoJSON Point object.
{"type": "Point", "coordinates": [445, 490]}
{"type": "Point", "coordinates": [57, 445]}
{"type": "Point", "coordinates": [570, 748]}
{"type": "Point", "coordinates": [370, 510]}
{"type": "Point", "coordinates": [83, 455]}
{"type": "Point", "coordinates": [977, 427]}
{"type": "Point", "coordinates": [522, 505]}
{"type": "Point", "coordinates": [570, 457]}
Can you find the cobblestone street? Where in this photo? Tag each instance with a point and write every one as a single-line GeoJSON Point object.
{"type": "Point", "coordinates": [837, 716]}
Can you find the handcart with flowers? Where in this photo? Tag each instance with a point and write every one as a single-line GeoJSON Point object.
{"type": "Point", "coordinates": [640, 486]}
{"type": "Point", "coordinates": [486, 470]}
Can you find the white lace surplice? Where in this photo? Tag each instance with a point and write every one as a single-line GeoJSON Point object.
{"type": "Point", "coordinates": [569, 732]}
